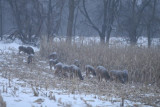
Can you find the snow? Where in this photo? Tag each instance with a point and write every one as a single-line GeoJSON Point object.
{"type": "Point", "coordinates": [20, 93]}
{"type": "Point", "coordinates": [114, 41]}
{"type": "Point", "coordinates": [10, 47]}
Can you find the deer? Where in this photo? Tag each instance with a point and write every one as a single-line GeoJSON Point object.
{"type": "Point", "coordinates": [77, 63]}
{"type": "Point", "coordinates": [29, 50]}
{"type": "Point", "coordinates": [58, 69]}
{"type": "Point", "coordinates": [53, 56]}
{"type": "Point", "coordinates": [30, 58]}
{"type": "Point", "coordinates": [52, 63]}
{"type": "Point", "coordinates": [118, 75]}
{"type": "Point", "coordinates": [90, 70]}
{"type": "Point", "coordinates": [22, 49]}
{"type": "Point", "coordinates": [66, 71]}
{"type": "Point", "coordinates": [75, 72]}
{"type": "Point", "coordinates": [102, 73]}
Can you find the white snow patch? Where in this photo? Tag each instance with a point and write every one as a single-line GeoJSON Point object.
{"type": "Point", "coordinates": [114, 41]}
{"type": "Point", "coordinates": [20, 94]}
{"type": "Point", "coordinates": [12, 47]}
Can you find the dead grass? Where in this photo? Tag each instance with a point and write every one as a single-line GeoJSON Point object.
{"type": "Point", "coordinates": [142, 63]}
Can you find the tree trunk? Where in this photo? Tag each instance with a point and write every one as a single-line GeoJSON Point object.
{"type": "Point", "coordinates": [70, 21]}
{"type": "Point", "coordinates": [30, 34]}
{"type": "Point", "coordinates": [1, 19]}
{"type": "Point", "coordinates": [133, 39]}
{"type": "Point", "coordinates": [102, 38]}
{"type": "Point", "coordinates": [75, 22]}
{"type": "Point", "coordinates": [150, 23]}
{"type": "Point", "coordinates": [108, 36]}
{"type": "Point", "coordinates": [49, 20]}
{"type": "Point", "coordinates": [149, 36]}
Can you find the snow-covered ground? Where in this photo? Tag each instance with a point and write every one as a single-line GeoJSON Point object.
{"type": "Point", "coordinates": [19, 92]}
{"type": "Point", "coordinates": [114, 41]}
{"type": "Point", "coordinates": [11, 46]}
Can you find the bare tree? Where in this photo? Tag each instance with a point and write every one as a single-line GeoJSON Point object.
{"type": "Point", "coordinates": [76, 17]}
{"type": "Point", "coordinates": [151, 20]}
{"type": "Point", "coordinates": [28, 17]}
{"type": "Point", "coordinates": [1, 19]}
{"type": "Point", "coordinates": [54, 14]}
{"type": "Point", "coordinates": [39, 14]}
{"type": "Point", "coordinates": [130, 18]}
{"type": "Point", "coordinates": [110, 10]}
{"type": "Point", "coordinates": [70, 20]}
{"type": "Point", "coordinates": [17, 12]}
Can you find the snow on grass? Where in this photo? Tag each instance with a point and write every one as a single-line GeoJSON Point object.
{"type": "Point", "coordinates": [12, 46]}
{"type": "Point", "coordinates": [20, 94]}
{"type": "Point", "coordinates": [114, 41]}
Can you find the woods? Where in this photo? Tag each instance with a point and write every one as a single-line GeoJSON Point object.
{"type": "Point", "coordinates": [32, 19]}
{"type": "Point", "coordinates": [80, 53]}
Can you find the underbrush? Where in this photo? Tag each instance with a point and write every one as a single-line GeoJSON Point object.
{"type": "Point", "coordinates": [143, 64]}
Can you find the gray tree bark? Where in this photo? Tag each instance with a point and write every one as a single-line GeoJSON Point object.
{"type": "Point", "coordinates": [136, 19]}
{"type": "Point", "coordinates": [149, 24]}
{"type": "Point", "coordinates": [110, 8]}
{"type": "Point", "coordinates": [70, 21]}
{"type": "Point", "coordinates": [1, 35]}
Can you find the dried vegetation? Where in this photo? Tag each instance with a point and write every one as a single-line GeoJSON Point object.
{"type": "Point", "coordinates": [143, 65]}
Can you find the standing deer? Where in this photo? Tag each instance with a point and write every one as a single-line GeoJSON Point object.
{"type": "Point", "coordinates": [52, 63]}
{"type": "Point", "coordinates": [22, 49]}
{"type": "Point", "coordinates": [90, 70]}
{"type": "Point", "coordinates": [29, 50]}
{"type": "Point", "coordinates": [75, 72]}
{"type": "Point", "coordinates": [77, 63]}
{"type": "Point", "coordinates": [101, 72]}
{"type": "Point", "coordinates": [30, 58]}
{"type": "Point", "coordinates": [118, 75]}
{"type": "Point", "coordinates": [58, 68]}
{"type": "Point", "coordinates": [66, 71]}
{"type": "Point", "coordinates": [53, 56]}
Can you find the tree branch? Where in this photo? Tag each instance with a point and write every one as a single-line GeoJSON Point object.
{"type": "Point", "coordinates": [85, 13]}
